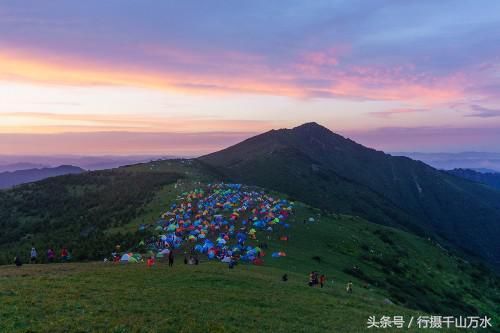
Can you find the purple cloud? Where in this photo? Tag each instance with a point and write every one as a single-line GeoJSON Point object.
{"type": "Point", "coordinates": [483, 112]}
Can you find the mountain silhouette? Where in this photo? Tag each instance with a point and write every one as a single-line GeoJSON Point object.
{"type": "Point", "coordinates": [13, 178]}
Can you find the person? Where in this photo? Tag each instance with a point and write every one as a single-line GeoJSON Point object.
{"type": "Point", "coordinates": [151, 261]}
{"type": "Point", "coordinates": [322, 280]}
{"type": "Point", "coordinates": [64, 254]}
{"type": "Point", "coordinates": [348, 288]}
{"type": "Point", "coordinates": [311, 277]}
{"type": "Point", "coordinates": [18, 261]}
{"type": "Point", "coordinates": [50, 255]}
{"type": "Point", "coordinates": [284, 278]}
{"type": "Point", "coordinates": [315, 278]}
{"type": "Point", "coordinates": [33, 254]}
{"type": "Point", "coordinates": [171, 258]}
{"type": "Point", "coordinates": [116, 257]}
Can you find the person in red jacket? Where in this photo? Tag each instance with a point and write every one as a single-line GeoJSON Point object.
{"type": "Point", "coordinates": [64, 254]}
{"type": "Point", "coordinates": [322, 279]}
{"type": "Point", "coordinates": [151, 261]}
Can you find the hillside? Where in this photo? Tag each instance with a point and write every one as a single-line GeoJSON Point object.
{"type": "Point", "coordinates": [326, 170]}
{"type": "Point", "coordinates": [12, 178]}
{"type": "Point", "coordinates": [487, 178]}
{"type": "Point", "coordinates": [386, 265]}
{"type": "Point", "coordinates": [75, 210]}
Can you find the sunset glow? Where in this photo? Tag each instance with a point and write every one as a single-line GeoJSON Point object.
{"type": "Point", "coordinates": [148, 70]}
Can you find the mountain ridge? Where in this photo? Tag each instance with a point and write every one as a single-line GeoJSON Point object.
{"type": "Point", "coordinates": [319, 166]}
{"type": "Point", "coordinates": [13, 178]}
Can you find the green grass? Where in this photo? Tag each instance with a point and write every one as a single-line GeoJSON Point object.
{"type": "Point", "coordinates": [206, 298]}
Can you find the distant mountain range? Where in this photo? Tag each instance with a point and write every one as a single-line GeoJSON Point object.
{"type": "Point", "coordinates": [478, 161]}
{"type": "Point", "coordinates": [21, 166]}
{"type": "Point", "coordinates": [12, 178]}
{"type": "Point", "coordinates": [13, 163]}
{"type": "Point", "coordinates": [488, 178]}
{"type": "Point", "coordinates": [326, 170]}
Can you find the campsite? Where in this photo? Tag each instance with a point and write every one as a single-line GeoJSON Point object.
{"type": "Point", "coordinates": [220, 222]}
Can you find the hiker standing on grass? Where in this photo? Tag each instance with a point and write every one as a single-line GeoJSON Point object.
{"type": "Point", "coordinates": [322, 279]}
{"type": "Point", "coordinates": [33, 254]}
{"type": "Point", "coordinates": [315, 278]}
{"type": "Point", "coordinates": [171, 258]}
{"type": "Point", "coordinates": [348, 288]}
{"type": "Point", "coordinates": [151, 261]}
{"type": "Point", "coordinates": [64, 254]}
{"type": "Point", "coordinates": [18, 261]}
{"type": "Point", "coordinates": [51, 255]}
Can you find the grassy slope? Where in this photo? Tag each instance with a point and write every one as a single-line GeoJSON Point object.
{"type": "Point", "coordinates": [204, 298]}
{"type": "Point", "coordinates": [401, 267]}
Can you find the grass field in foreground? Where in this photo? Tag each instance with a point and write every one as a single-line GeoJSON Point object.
{"type": "Point", "coordinates": [98, 297]}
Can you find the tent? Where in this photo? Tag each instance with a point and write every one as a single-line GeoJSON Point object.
{"type": "Point", "coordinates": [130, 258]}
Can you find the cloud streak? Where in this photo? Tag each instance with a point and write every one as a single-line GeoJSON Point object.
{"type": "Point", "coordinates": [121, 143]}
{"type": "Point", "coordinates": [43, 122]}
{"type": "Point", "coordinates": [396, 112]}
{"type": "Point", "coordinates": [483, 112]}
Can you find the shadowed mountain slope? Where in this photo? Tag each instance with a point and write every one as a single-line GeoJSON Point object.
{"type": "Point", "coordinates": [327, 170]}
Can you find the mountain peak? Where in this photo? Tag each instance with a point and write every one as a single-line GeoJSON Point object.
{"type": "Point", "coordinates": [311, 126]}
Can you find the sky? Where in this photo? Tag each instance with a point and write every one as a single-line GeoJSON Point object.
{"type": "Point", "coordinates": [190, 77]}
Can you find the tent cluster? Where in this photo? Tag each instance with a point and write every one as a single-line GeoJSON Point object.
{"type": "Point", "coordinates": [130, 258]}
{"type": "Point", "coordinates": [222, 222]}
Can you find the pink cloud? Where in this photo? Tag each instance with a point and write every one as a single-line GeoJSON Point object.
{"type": "Point", "coordinates": [84, 122]}
{"type": "Point", "coordinates": [120, 143]}
{"type": "Point", "coordinates": [318, 73]}
{"type": "Point", "coordinates": [394, 112]}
